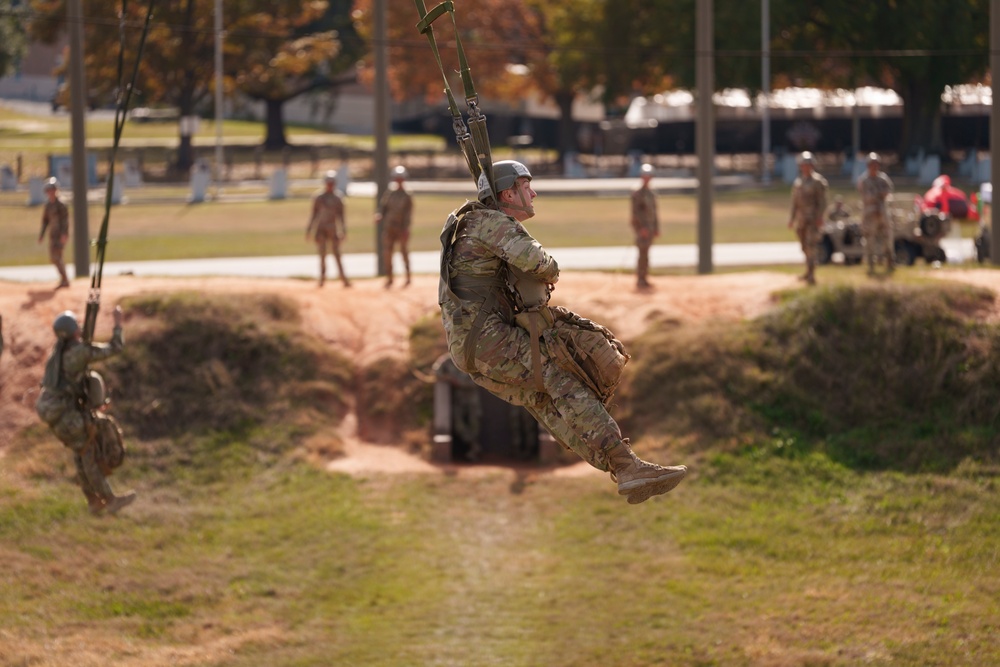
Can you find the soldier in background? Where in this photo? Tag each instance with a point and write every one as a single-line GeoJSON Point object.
{"type": "Point", "coordinates": [329, 225]}
{"type": "Point", "coordinates": [69, 399]}
{"type": "Point", "coordinates": [808, 206]}
{"type": "Point", "coordinates": [875, 187]}
{"type": "Point", "coordinates": [512, 344]}
{"type": "Point", "coordinates": [839, 212]}
{"type": "Point", "coordinates": [55, 219]}
{"type": "Point", "coordinates": [645, 223]}
{"type": "Point", "coordinates": [395, 213]}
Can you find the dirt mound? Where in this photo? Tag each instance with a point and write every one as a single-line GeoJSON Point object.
{"type": "Point", "coordinates": [363, 322]}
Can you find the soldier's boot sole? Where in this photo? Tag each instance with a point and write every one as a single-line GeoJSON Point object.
{"type": "Point", "coordinates": [641, 490]}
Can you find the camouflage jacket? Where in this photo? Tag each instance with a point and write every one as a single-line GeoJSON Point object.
{"type": "Point", "coordinates": [479, 246]}
{"type": "Point", "coordinates": [327, 215]}
{"type": "Point", "coordinates": [644, 215]}
{"type": "Point", "coordinates": [874, 191]}
{"type": "Point", "coordinates": [808, 200]}
{"type": "Point", "coordinates": [396, 208]}
{"type": "Point", "coordinates": [62, 385]}
{"type": "Point", "coordinates": [55, 218]}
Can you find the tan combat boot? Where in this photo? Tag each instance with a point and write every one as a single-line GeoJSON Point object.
{"type": "Point", "coordinates": [94, 502]}
{"type": "Point", "coordinates": [638, 479]}
{"type": "Point", "coordinates": [118, 502]}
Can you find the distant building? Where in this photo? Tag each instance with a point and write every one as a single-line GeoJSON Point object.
{"type": "Point", "coordinates": [35, 79]}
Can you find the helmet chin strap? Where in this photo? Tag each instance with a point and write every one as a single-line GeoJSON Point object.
{"type": "Point", "coordinates": [524, 206]}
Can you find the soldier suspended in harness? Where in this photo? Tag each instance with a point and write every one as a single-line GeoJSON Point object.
{"type": "Point", "coordinates": [72, 401]}
{"type": "Point", "coordinates": [494, 292]}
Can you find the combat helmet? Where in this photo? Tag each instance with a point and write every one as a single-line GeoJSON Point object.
{"type": "Point", "coordinates": [65, 325]}
{"type": "Point", "coordinates": [505, 174]}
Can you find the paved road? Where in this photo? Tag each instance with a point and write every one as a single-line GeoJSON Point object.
{"type": "Point", "coordinates": [363, 265]}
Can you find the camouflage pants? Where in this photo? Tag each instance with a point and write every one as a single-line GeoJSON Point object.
{"type": "Point", "coordinates": [642, 267]}
{"type": "Point", "coordinates": [389, 240]}
{"type": "Point", "coordinates": [71, 429]}
{"type": "Point", "coordinates": [878, 240]}
{"type": "Point", "coordinates": [324, 240]}
{"type": "Point", "coordinates": [808, 239]}
{"type": "Point", "coordinates": [56, 257]}
{"type": "Point", "coordinates": [568, 409]}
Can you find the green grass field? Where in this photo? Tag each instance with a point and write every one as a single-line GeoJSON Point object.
{"type": "Point", "coordinates": [169, 228]}
{"type": "Point", "coordinates": [750, 562]}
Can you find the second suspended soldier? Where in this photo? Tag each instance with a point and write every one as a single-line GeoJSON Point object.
{"type": "Point", "coordinates": [70, 401]}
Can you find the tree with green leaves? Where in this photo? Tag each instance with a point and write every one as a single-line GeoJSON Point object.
{"type": "Point", "coordinates": [269, 53]}
{"type": "Point", "coordinates": [915, 48]}
{"type": "Point", "coordinates": [12, 38]}
{"type": "Point", "coordinates": [281, 54]}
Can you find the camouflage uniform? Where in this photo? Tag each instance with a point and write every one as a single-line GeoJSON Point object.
{"type": "Point", "coordinates": [61, 405]}
{"type": "Point", "coordinates": [486, 343]}
{"type": "Point", "coordinates": [396, 209]}
{"type": "Point", "coordinates": [55, 218]}
{"type": "Point", "coordinates": [875, 221]}
{"type": "Point", "coordinates": [808, 205]}
{"type": "Point", "coordinates": [646, 225]}
{"type": "Point", "coordinates": [330, 226]}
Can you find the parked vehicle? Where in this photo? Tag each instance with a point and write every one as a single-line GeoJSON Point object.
{"type": "Point", "coordinates": [917, 230]}
{"type": "Point", "coordinates": [842, 236]}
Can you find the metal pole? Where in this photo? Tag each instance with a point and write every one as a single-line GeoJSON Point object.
{"type": "Point", "coordinates": [219, 36]}
{"type": "Point", "coordinates": [705, 138]}
{"type": "Point", "coordinates": [78, 109]}
{"type": "Point", "coordinates": [380, 170]}
{"type": "Point", "coordinates": [765, 89]}
{"type": "Point", "coordinates": [994, 128]}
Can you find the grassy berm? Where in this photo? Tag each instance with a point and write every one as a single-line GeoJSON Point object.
{"type": "Point", "coordinates": [842, 507]}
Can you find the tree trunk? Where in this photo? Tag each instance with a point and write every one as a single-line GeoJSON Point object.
{"type": "Point", "coordinates": [566, 139]}
{"type": "Point", "coordinates": [185, 155]}
{"type": "Point", "coordinates": [921, 120]}
{"type": "Point", "coordinates": [275, 139]}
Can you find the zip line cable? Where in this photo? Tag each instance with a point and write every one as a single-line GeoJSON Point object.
{"type": "Point", "coordinates": [121, 113]}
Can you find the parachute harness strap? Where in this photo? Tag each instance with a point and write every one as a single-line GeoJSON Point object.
{"type": "Point", "coordinates": [473, 139]}
{"type": "Point", "coordinates": [124, 96]}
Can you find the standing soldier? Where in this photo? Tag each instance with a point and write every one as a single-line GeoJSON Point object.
{"type": "Point", "coordinates": [645, 223]}
{"type": "Point", "coordinates": [808, 206]}
{"type": "Point", "coordinates": [875, 187]}
{"type": "Point", "coordinates": [500, 330]}
{"type": "Point", "coordinates": [55, 218]}
{"type": "Point", "coordinates": [329, 224]}
{"type": "Point", "coordinates": [395, 212]}
{"type": "Point", "coordinates": [68, 402]}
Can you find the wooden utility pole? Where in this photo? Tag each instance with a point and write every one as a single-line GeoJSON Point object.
{"type": "Point", "coordinates": [994, 128]}
{"type": "Point", "coordinates": [381, 166]}
{"type": "Point", "coordinates": [78, 109]}
{"type": "Point", "coordinates": [705, 138]}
